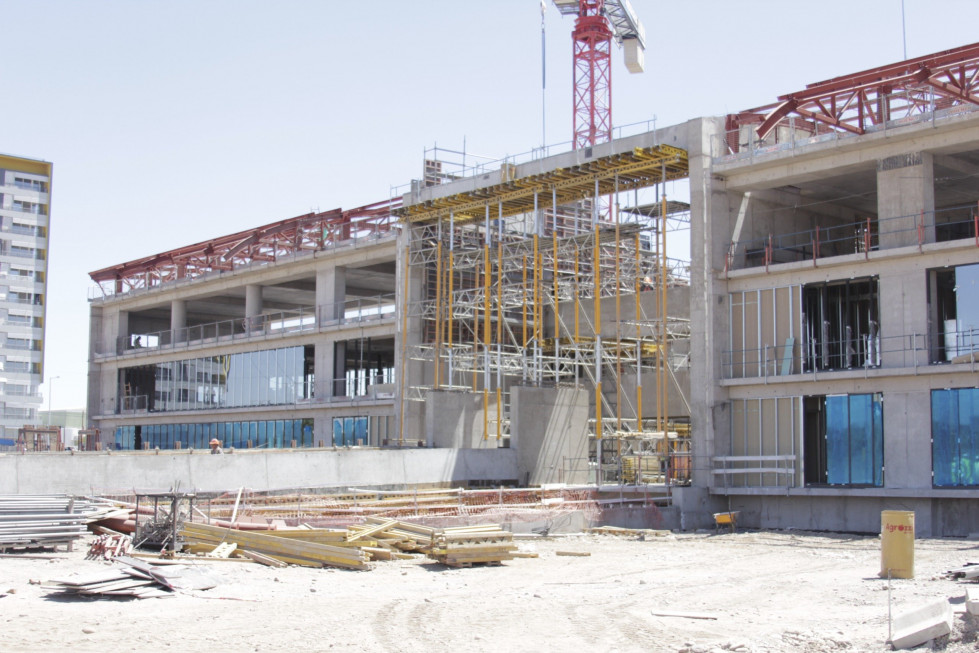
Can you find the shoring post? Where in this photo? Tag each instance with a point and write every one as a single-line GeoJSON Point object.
{"type": "Point", "coordinates": [638, 343]}
{"type": "Point", "coordinates": [438, 313]}
{"type": "Point", "coordinates": [404, 349]}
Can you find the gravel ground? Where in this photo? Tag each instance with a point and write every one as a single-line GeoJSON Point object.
{"type": "Point", "coordinates": [765, 591]}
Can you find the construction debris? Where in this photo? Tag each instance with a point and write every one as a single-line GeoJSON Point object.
{"type": "Point", "coordinates": [642, 533]}
{"type": "Point", "coordinates": [132, 578]}
{"type": "Point", "coordinates": [576, 554]}
{"type": "Point", "coordinates": [972, 601]}
{"type": "Point", "coordinates": [109, 546]}
{"type": "Point", "coordinates": [922, 624]}
{"type": "Point", "coordinates": [968, 572]}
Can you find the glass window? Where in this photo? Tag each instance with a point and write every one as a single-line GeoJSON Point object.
{"type": "Point", "coordinates": [955, 437]}
{"type": "Point", "coordinates": [844, 440]}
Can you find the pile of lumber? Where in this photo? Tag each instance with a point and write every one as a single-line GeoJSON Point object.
{"type": "Point", "coordinates": [464, 545]}
{"type": "Point", "coordinates": [45, 520]}
{"type": "Point", "coordinates": [352, 548]}
{"type": "Point", "coordinates": [132, 578]}
{"type": "Point", "coordinates": [305, 547]}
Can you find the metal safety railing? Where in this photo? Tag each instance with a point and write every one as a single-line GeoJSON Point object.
{"type": "Point", "coordinates": [857, 237]}
{"type": "Point", "coordinates": [277, 323]}
{"type": "Point", "coordinates": [861, 351]}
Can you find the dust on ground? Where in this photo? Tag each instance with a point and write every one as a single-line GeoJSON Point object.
{"type": "Point", "coordinates": [768, 591]}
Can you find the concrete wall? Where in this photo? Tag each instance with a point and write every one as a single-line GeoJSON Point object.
{"type": "Point", "coordinates": [84, 473]}
{"type": "Point", "coordinates": [933, 517]}
{"type": "Point", "coordinates": [549, 430]}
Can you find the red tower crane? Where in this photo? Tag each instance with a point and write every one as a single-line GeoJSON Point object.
{"type": "Point", "coordinates": [597, 23]}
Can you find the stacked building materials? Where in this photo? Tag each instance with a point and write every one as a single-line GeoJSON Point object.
{"type": "Point", "coordinates": [462, 546]}
{"type": "Point", "coordinates": [133, 578]}
{"type": "Point", "coordinates": [45, 520]}
{"type": "Point", "coordinates": [287, 549]}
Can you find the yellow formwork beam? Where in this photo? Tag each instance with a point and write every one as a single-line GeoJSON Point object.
{"type": "Point", "coordinates": [638, 168]}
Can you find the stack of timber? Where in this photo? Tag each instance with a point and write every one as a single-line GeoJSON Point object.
{"type": "Point", "coordinates": [45, 520]}
{"type": "Point", "coordinates": [293, 548]}
{"type": "Point", "coordinates": [464, 545]}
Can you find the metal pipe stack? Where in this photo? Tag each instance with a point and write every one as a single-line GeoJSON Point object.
{"type": "Point", "coordinates": [44, 520]}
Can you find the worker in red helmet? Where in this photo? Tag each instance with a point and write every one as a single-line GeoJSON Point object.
{"type": "Point", "coordinates": [216, 446]}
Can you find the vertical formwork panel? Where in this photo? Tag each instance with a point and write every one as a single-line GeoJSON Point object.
{"type": "Point", "coordinates": [784, 338]}
{"type": "Point", "coordinates": [786, 409]}
{"type": "Point", "coordinates": [737, 335]}
{"type": "Point", "coordinates": [769, 437]}
{"type": "Point", "coordinates": [738, 447]}
{"type": "Point", "coordinates": [766, 330]}
{"type": "Point", "coordinates": [753, 425]}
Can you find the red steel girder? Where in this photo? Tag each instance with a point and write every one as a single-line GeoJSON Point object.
{"type": "Point", "coordinates": [266, 243]}
{"type": "Point", "coordinates": [857, 101]}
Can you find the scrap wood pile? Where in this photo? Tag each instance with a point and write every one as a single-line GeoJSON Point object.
{"type": "Point", "coordinates": [109, 545]}
{"type": "Point", "coordinates": [131, 578]}
{"type": "Point", "coordinates": [46, 520]}
{"type": "Point", "coordinates": [354, 547]}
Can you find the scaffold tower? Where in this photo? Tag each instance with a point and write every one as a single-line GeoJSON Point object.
{"type": "Point", "coordinates": [528, 281]}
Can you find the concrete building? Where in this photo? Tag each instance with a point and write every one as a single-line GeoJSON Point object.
{"type": "Point", "coordinates": [25, 203]}
{"type": "Point", "coordinates": [836, 298]}
{"type": "Point", "coordinates": [830, 305]}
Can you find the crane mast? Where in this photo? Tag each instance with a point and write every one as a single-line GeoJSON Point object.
{"type": "Point", "coordinates": [597, 22]}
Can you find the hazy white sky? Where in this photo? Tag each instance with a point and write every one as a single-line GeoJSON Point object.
{"type": "Point", "coordinates": [172, 122]}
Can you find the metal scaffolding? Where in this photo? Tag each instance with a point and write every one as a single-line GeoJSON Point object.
{"type": "Point", "coordinates": [529, 281]}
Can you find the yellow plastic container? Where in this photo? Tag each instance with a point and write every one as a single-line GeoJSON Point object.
{"type": "Point", "coordinates": [897, 543]}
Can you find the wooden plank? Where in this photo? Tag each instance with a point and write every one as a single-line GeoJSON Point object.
{"type": "Point", "coordinates": [223, 550]}
{"type": "Point", "coordinates": [579, 554]}
{"type": "Point", "coordinates": [373, 530]}
{"type": "Point", "coordinates": [262, 559]}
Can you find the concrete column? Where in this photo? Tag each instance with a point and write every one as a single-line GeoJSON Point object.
{"type": "Point", "coordinates": [253, 307]}
{"type": "Point", "coordinates": [903, 315]}
{"type": "Point", "coordinates": [412, 373]}
{"type": "Point", "coordinates": [331, 290]}
{"type": "Point", "coordinates": [713, 213]}
{"type": "Point", "coordinates": [178, 320]}
{"type": "Point", "coordinates": [905, 189]}
{"type": "Point", "coordinates": [118, 338]}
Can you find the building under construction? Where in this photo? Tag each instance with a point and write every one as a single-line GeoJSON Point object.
{"type": "Point", "coordinates": [521, 322]}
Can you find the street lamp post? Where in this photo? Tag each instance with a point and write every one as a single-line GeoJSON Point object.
{"type": "Point", "coordinates": [50, 392]}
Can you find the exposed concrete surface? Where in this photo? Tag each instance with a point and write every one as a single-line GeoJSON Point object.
{"type": "Point", "coordinates": [549, 430]}
{"type": "Point", "coordinates": [972, 600]}
{"type": "Point", "coordinates": [84, 473]}
{"type": "Point", "coordinates": [922, 624]}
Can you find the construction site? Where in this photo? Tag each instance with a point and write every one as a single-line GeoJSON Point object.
{"type": "Point", "coordinates": [684, 349]}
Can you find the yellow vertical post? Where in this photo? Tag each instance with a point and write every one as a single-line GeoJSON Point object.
{"type": "Point", "coordinates": [499, 336]}
{"type": "Point", "coordinates": [404, 348]}
{"type": "Point", "coordinates": [577, 299]}
{"type": "Point", "coordinates": [523, 298]}
{"type": "Point", "coordinates": [663, 332]}
{"type": "Point", "coordinates": [487, 337]}
{"type": "Point", "coordinates": [438, 314]}
{"type": "Point", "coordinates": [597, 270]}
{"type": "Point", "coordinates": [638, 343]}
{"type": "Point", "coordinates": [475, 353]}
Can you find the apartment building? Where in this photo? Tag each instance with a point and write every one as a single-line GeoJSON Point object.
{"type": "Point", "coordinates": [840, 302]}
{"type": "Point", "coordinates": [25, 202]}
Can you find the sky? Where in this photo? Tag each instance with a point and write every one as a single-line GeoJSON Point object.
{"type": "Point", "coordinates": [169, 123]}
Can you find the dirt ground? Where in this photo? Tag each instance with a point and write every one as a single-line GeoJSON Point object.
{"type": "Point", "coordinates": [767, 591]}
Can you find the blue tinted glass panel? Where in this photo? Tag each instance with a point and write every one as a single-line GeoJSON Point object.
{"type": "Point", "coordinates": [837, 440]}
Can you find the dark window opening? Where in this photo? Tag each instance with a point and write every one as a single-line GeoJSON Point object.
{"type": "Point", "coordinates": [841, 327]}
